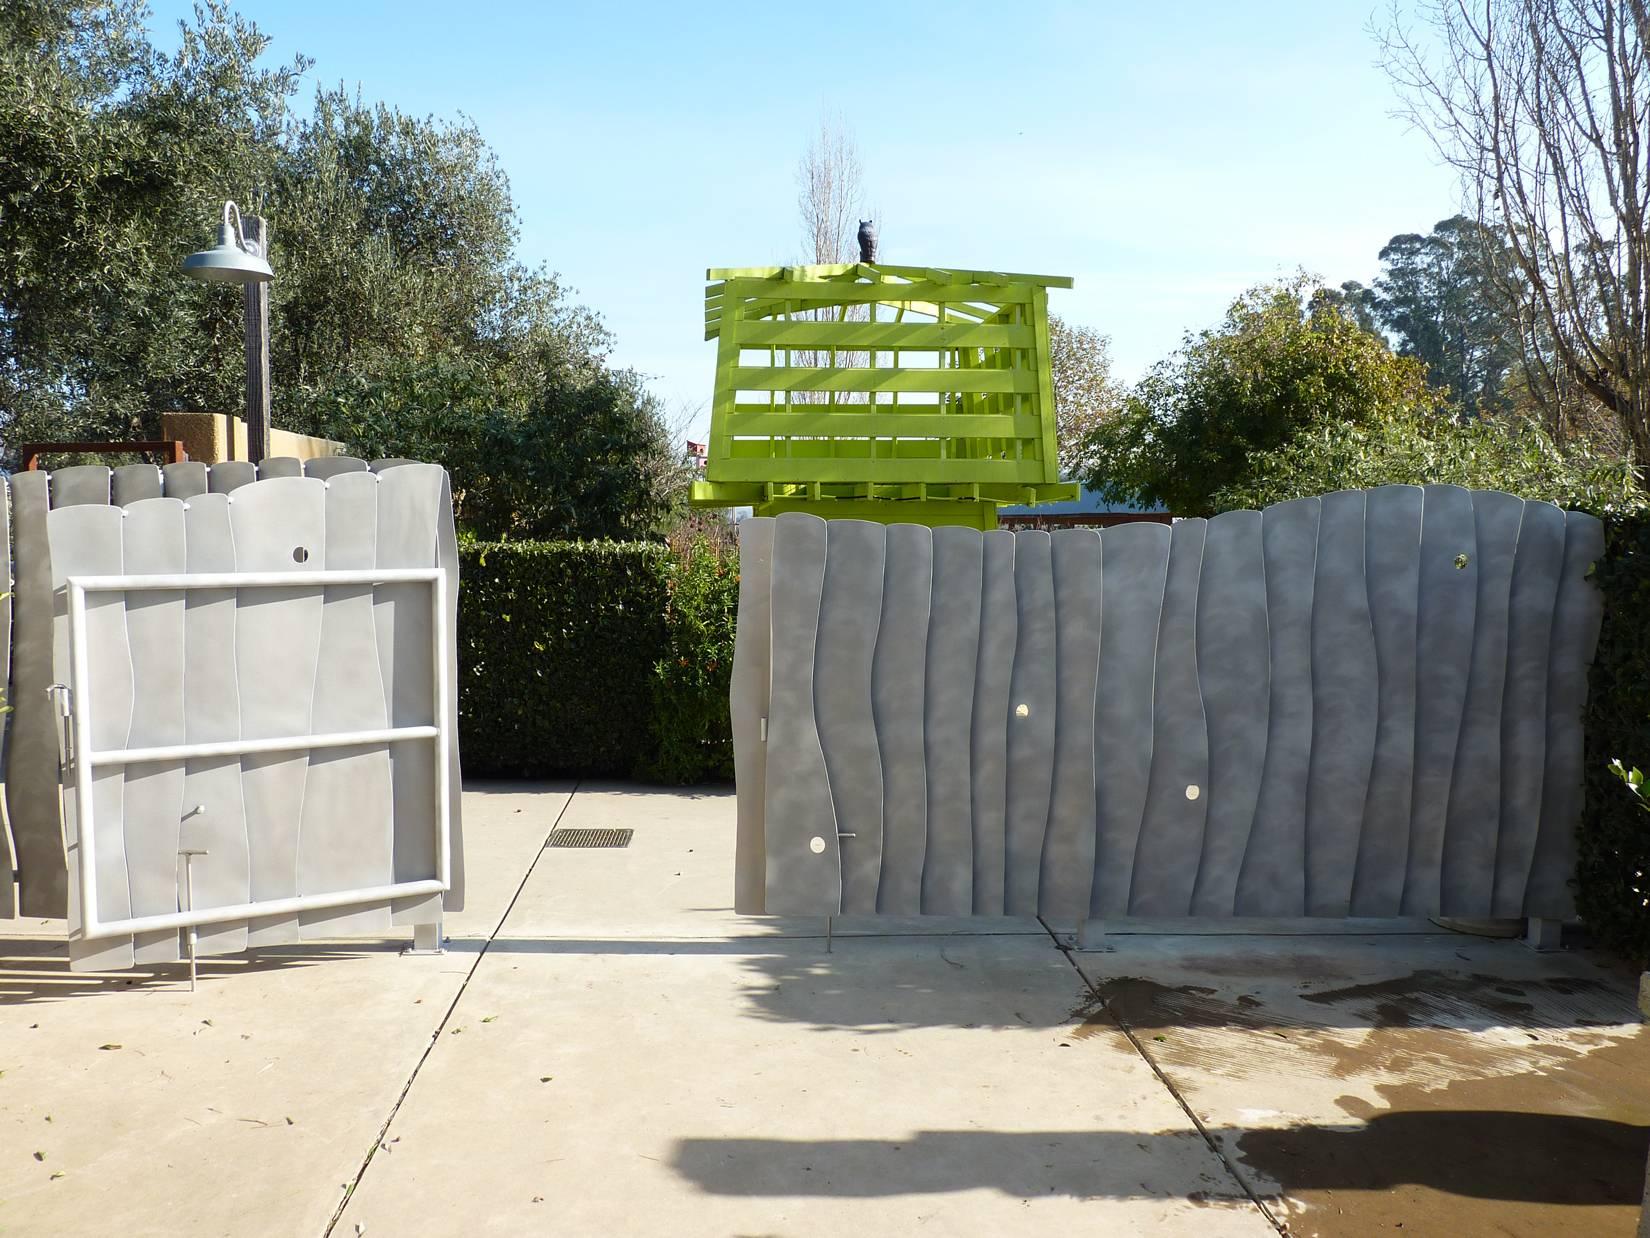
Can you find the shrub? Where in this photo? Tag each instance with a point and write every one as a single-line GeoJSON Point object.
{"type": "Point", "coordinates": [1417, 448]}
{"type": "Point", "coordinates": [693, 736]}
{"type": "Point", "coordinates": [1613, 840]}
{"type": "Point", "coordinates": [1279, 363]}
{"type": "Point", "coordinates": [570, 658]}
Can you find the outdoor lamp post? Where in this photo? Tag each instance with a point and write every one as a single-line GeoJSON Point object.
{"type": "Point", "coordinates": [240, 257]}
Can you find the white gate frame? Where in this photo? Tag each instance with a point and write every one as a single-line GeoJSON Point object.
{"type": "Point", "coordinates": [84, 759]}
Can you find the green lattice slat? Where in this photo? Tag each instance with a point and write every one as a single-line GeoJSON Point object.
{"type": "Point", "coordinates": [829, 421]}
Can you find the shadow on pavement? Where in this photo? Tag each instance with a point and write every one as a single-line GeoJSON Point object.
{"type": "Point", "coordinates": [34, 971]}
{"type": "Point", "coordinates": [1490, 1155]}
{"type": "Point", "coordinates": [1084, 1164]}
{"type": "Point", "coordinates": [1568, 1159]}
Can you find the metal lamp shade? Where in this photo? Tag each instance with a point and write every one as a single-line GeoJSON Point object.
{"type": "Point", "coordinates": [227, 263]}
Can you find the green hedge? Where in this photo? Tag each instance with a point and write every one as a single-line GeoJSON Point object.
{"type": "Point", "coordinates": [1613, 842]}
{"type": "Point", "coordinates": [562, 650]}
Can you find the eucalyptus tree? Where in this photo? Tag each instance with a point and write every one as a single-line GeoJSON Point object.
{"type": "Point", "coordinates": [1544, 108]}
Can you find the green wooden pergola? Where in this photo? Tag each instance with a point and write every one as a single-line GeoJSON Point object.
{"type": "Point", "coordinates": [887, 393]}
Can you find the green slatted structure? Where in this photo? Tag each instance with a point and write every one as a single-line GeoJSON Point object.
{"type": "Point", "coordinates": [888, 393]}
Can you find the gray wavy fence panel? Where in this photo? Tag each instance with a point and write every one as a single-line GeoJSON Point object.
{"type": "Point", "coordinates": [1367, 703]}
{"type": "Point", "coordinates": [351, 658]}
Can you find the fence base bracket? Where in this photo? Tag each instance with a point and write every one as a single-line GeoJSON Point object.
{"type": "Point", "coordinates": [1090, 938]}
{"type": "Point", "coordinates": [427, 939]}
{"type": "Point", "coordinates": [1542, 934]}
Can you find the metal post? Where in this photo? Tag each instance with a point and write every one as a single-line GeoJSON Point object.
{"type": "Point", "coordinates": [189, 855]}
{"type": "Point", "coordinates": [256, 233]}
{"type": "Point", "coordinates": [827, 934]}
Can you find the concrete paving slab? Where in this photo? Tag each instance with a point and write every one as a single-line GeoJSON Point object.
{"type": "Point", "coordinates": [1432, 1084]}
{"type": "Point", "coordinates": [505, 825]}
{"type": "Point", "coordinates": [675, 880]}
{"type": "Point", "coordinates": [247, 1107]}
{"type": "Point", "coordinates": [643, 1061]}
{"type": "Point", "coordinates": [895, 1086]}
{"type": "Point", "coordinates": [130, 1106]}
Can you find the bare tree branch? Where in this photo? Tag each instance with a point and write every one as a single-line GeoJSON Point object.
{"type": "Point", "coordinates": [829, 193]}
{"type": "Point", "coordinates": [1543, 106]}
{"type": "Point", "coordinates": [829, 197]}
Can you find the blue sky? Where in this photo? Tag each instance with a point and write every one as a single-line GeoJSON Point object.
{"type": "Point", "coordinates": [1166, 155]}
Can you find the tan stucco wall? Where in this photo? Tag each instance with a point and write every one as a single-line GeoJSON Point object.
{"type": "Point", "coordinates": [206, 438]}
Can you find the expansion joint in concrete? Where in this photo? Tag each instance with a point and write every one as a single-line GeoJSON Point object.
{"type": "Point", "coordinates": [1066, 947]}
{"type": "Point", "coordinates": [378, 1139]}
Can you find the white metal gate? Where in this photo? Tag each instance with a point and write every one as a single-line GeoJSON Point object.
{"type": "Point", "coordinates": [91, 672]}
{"type": "Point", "coordinates": [254, 721]}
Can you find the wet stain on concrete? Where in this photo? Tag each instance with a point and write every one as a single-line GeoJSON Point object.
{"type": "Point", "coordinates": [1490, 1105]}
{"type": "Point", "coordinates": [1092, 1023]}
{"type": "Point", "coordinates": [1450, 999]}
{"type": "Point", "coordinates": [1147, 1005]}
{"type": "Point", "coordinates": [1557, 1151]}
{"type": "Point", "coordinates": [1426, 998]}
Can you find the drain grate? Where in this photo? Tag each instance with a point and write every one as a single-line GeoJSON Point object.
{"type": "Point", "coordinates": [590, 838]}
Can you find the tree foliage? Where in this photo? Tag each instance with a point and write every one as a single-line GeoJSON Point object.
{"type": "Point", "coordinates": [114, 165]}
{"type": "Point", "coordinates": [401, 321]}
{"type": "Point", "coordinates": [574, 456]}
{"type": "Point", "coordinates": [1196, 423]}
{"type": "Point", "coordinates": [1457, 300]}
{"type": "Point", "coordinates": [1415, 448]}
{"type": "Point", "coordinates": [1542, 105]}
{"type": "Point", "coordinates": [1441, 295]}
{"type": "Point", "coordinates": [1085, 393]}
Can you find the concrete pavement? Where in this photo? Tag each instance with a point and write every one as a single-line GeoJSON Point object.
{"type": "Point", "coordinates": [607, 1049]}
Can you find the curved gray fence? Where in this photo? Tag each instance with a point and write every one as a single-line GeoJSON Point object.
{"type": "Point", "coordinates": [177, 667]}
{"type": "Point", "coordinates": [1364, 704]}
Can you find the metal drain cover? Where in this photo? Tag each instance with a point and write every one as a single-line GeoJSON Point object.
{"type": "Point", "coordinates": [589, 838]}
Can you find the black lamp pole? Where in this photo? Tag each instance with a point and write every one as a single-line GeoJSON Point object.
{"type": "Point", "coordinates": [257, 348]}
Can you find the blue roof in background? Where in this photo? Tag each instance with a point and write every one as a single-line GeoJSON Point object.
{"type": "Point", "coordinates": [1089, 503]}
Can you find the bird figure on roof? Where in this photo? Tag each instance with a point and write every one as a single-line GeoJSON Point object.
{"type": "Point", "coordinates": [867, 240]}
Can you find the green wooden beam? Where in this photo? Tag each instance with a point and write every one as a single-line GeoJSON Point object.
{"type": "Point", "coordinates": [884, 335]}
{"type": "Point", "coordinates": [830, 468]}
{"type": "Point", "coordinates": [839, 421]}
{"type": "Point", "coordinates": [825, 378]}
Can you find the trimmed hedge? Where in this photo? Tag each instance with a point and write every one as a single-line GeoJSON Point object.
{"type": "Point", "coordinates": [1613, 840]}
{"type": "Point", "coordinates": [561, 653]}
